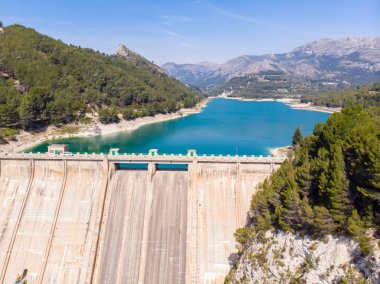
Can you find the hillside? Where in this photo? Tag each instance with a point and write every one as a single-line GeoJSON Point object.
{"type": "Point", "coordinates": [136, 59]}
{"type": "Point", "coordinates": [323, 64]}
{"type": "Point", "coordinates": [366, 96]}
{"type": "Point", "coordinates": [331, 186]}
{"type": "Point", "coordinates": [198, 75]}
{"type": "Point", "coordinates": [44, 81]}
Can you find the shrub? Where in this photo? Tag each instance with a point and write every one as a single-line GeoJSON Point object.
{"type": "Point", "coordinates": [365, 245]}
{"type": "Point", "coordinates": [108, 115]}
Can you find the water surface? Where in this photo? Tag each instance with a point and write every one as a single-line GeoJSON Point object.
{"type": "Point", "coordinates": [223, 127]}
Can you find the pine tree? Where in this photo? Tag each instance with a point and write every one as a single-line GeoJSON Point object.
{"type": "Point", "coordinates": [355, 225]}
{"type": "Point", "coordinates": [306, 215]}
{"type": "Point", "coordinates": [337, 186]}
{"type": "Point", "coordinates": [323, 221]}
{"type": "Point", "coordinates": [297, 137]}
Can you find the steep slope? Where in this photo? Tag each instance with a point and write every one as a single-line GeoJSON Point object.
{"type": "Point", "coordinates": [331, 186]}
{"type": "Point", "coordinates": [44, 81]}
{"type": "Point", "coordinates": [334, 62]}
{"type": "Point", "coordinates": [136, 59]}
{"type": "Point", "coordinates": [199, 75]}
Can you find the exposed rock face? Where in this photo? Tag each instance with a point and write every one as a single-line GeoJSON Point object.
{"type": "Point", "coordinates": [136, 58]}
{"type": "Point", "coordinates": [285, 257]}
{"type": "Point", "coordinates": [199, 75]}
{"type": "Point", "coordinates": [355, 60]}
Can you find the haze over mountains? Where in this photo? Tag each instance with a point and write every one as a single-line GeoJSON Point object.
{"type": "Point", "coordinates": [327, 62]}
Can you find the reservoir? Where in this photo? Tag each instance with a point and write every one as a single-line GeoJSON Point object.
{"type": "Point", "coordinates": [226, 127]}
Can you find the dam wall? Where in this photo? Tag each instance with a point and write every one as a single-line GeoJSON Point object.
{"type": "Point", "coordinates": [75, 220]}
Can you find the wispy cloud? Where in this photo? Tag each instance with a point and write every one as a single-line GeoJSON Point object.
{"type": "Point", "coordinates": [182, 40]}
{"type": "Point", "coordinates": [242, 18]}
{"type": "Point", "coordinates": [175, 34]}
{"type": "Point", "coordinates": [186, 44]}
{"type": "Point", "coordinates": [236, 16]}
{"type": "Point", "coordinates": [176, 18]}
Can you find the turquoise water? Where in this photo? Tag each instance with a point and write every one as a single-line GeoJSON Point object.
{"type": "Point", "coordinates": [223, 127]}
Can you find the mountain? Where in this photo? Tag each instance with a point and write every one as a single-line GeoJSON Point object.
{"type": "Point", "coordinates": [329, 63]}
{"type": "Point", "coordinates": [199, 75]}
{"type": "Point", "coordinates": [136, 59]}
{"type": "Point", "coordinates": [44, 81]}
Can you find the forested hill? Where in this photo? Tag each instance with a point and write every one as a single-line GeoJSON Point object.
{"type": "Point", "coordinates": [366, 96]}
{"type": "Point", "coordinates": [45, 81]}
{"type": "Point", "coordinates": [331, 185]}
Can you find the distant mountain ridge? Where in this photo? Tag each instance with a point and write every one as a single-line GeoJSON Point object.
{"type": "Point", "coordinates": [345, 61]}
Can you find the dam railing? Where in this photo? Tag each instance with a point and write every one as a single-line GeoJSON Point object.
{"type": "Point", "coordinates": [152, 156]}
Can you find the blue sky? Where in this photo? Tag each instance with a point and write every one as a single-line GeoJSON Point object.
{"type": "Point", "coordinates": [193, 31]}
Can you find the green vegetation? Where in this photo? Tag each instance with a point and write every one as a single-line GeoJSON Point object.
{"type": "Point", "coordinates": [108, 115]}
{"type": "Point", "coordinates": [297, 137]}
{"type": "Point", "coordinates": [330, 186]}
{"type": "Point", "coordinates": [270, 84]}
{"type": "Point", "coordinates": [366, 96]}
{"type": "Point", "coordinates": [44, 81]}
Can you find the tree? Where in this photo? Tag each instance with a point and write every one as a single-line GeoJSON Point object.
{"type": "Point", "coordinates": [297, 137]}
{"type": "Point", "coordinates": [33, 111]}
{"type": "Point", "coordinates": [355, 225]}
{"type": "Point", "coordinates": [323, 221]}
{"type": "Point", "coordinates": [337, 186]}
{"type": "Point", "coordinates": [108, 115]}
{"type": "Point", "coordinates": [9, 116]}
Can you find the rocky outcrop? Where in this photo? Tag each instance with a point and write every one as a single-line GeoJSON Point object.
{"type": "Point", "coordinates": [284, 257]}
{"type": "Point", "coordinates": [136, 59]}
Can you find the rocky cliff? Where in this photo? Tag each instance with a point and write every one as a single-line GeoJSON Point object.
{"type": "Point", "coordinates": [135, 58]}
{"type": "Point", "coordinates": [283, 258]}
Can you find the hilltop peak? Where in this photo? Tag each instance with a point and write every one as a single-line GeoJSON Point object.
{"type": "Point", "coordinates": [340, 46]}
{"type": "Point", "coordinates": [135, 58]}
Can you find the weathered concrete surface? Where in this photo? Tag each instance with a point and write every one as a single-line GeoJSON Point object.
{"type": "Point", "coordinates": [14, 181]}
{"type": "Point", "coordinates": [70, 258]}
{"type": "Point", "coordinates": [221, 196]}
{"type": "Point", "coordinates": [81, 221]}
{"type": "Point", "coordinates": [146, 229]}
{"type": "Point", "coordinates": [33, 233]}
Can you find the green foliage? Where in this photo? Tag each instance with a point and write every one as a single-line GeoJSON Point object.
{"type": "Point", "coordinates": [268, 84]}
{"type": "Point", "coordinates": [297, 137]}
{"type": "Point", "coordinates": [355, 225]}
{"type": "Point", "coordinates": [242, 235]}
{"type": "Point", "coordinates": [365, 96]}
{"type": "Point", "coordinates": [59, 83]}
{"type": "Point", "coordinates": [331, 186]}
{"type": "Point", "coordinates": [7, 134]}
{"type": "Point", "coordinates": [108, 115]}
{"type": "Point", "coordinates": [365, 245]}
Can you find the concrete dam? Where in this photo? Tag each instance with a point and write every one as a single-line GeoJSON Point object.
{"type": "Point", "coordinates": [123, 218]}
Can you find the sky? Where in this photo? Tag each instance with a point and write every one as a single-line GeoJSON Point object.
{"type": "Point", "coordinates": [192, 31]}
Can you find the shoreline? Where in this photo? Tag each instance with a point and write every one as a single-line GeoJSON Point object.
{"type": "Point", "coordinates": [280, 151]}
{"type": "Point", "coordinates": [293, 103]}
{"type": "Point", "coordinates": [27, 140]}
{"type": "Point", "coordinates": [296, 104]}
